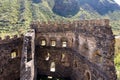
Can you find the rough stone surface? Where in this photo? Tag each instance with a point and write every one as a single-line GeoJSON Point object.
{"type": "Point", "coordinates": [10, 67]}
{"type": "Point", "coordinates": [27, 60]}
{"type": "Point", "coordinates": [80, 50]}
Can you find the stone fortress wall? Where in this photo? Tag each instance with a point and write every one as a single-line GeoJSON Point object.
{"type": "Point", "coordinates": [80, 50]}
{"type": "Point", "coordinates": [10, 55]}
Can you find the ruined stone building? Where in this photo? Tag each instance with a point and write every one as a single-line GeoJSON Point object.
{"type": "Point", "coordinates": [78, 50]}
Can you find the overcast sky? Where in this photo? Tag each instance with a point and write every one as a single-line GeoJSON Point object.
{"type": "Point", "coordinates": [118, 1]}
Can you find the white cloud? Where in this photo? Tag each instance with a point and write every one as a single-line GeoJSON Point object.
{"type": "Point", "coordinates": [118, 1]}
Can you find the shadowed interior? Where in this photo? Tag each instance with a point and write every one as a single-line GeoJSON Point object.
{"type": "Point", "coordinates": [66, 64]}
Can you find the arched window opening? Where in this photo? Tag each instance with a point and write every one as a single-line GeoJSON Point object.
{"type": "Point", "coordinates": [53, 43]}
{"type": "Point", "coordinates": [52, 67]}
{"type": "Point", "coordinates": [88, 76]}
{"type": "Point", "coordinates": [64, 43]}
{"type": "Point", "coordinates": [43, 42]}
{"type": "Point", "coordinates": [47, 57]}
{"type": "Point", "coordinates": [13, 54]}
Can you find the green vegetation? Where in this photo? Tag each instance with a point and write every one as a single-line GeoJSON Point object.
{"type": "Point", "coordinates": [8, 15]}
{"type": "Point", "coordinates": [16, 15]}
{"type": "Point", "coordinates": [117, 57]}
{"type": "Point", "coordinates": [115, 27]}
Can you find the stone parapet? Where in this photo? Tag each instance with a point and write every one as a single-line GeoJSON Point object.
{"type": "Point", "coordinates": [102, 22]}
{"type": "Point", "coordinates": [8, 38]}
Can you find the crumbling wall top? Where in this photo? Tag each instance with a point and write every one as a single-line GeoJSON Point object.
{"type": "Point", "coordinates": [9, 38]}
{"type": "Point", "coordinates": [101, 22]}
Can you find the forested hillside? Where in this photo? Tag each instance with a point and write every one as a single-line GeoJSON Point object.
{"type": "Point", "coordinates": [16, 15]}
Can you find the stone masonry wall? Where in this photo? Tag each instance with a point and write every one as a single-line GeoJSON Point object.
{"type": "Point", "coordinates": [81, 50]}
{"type": "Point", "coordinates": [27, 70]}
{"type": "Point", "coordinates": [9, 63]}
{"type": "Point", "coordinates": [92, 39]}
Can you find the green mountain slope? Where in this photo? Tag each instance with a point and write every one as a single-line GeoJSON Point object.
{"type": "Point", "coordinates": [16, 15]}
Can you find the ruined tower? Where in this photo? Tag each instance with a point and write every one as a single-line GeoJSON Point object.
{"type": "Point", "coordinates": [78, 50]}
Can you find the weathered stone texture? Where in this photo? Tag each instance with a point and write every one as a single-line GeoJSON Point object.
{"type": "Point", "coordinates": [27, 60]}
{"type": "Point", "coordinates": [10, 67]}
{"type": "Point", "coordinates": [91, 39]}
{"type": "Point", "coordinates": [78, 50]}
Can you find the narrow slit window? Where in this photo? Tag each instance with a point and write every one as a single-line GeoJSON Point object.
{"type": "Point", "coordinates": [13, 55]}
{"type": "Point", "coordinates": [63, 57]}
{"type": "Point", "coordinates": [47, 57]}
{"type": "Point", "coordinates": [52, 67]}
{"type": "Point", "coordinates": [64, 44]}
{"type": "Point", "coordinates": [53, 43]}
{"type": "Point", "coordinates": [43, 43]}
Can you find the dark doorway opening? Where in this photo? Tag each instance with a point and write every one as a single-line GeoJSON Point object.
{"type": "Point", "coordinates": [44, 77]}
